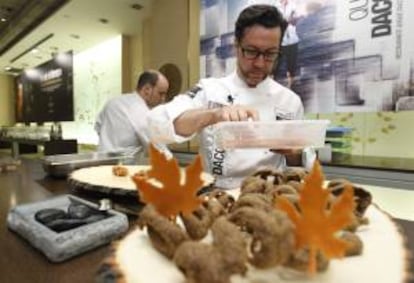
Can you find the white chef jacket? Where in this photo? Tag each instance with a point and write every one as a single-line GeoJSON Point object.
{"type": "Point", "coordinates": [122, 124]}
{"type": "Point", "coordinates": [272, 100]}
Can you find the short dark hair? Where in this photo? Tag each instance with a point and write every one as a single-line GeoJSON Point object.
{"type": "Point", "coordinates": [147, 77]}
{"type": "Point", "coordinates": [265, 15]}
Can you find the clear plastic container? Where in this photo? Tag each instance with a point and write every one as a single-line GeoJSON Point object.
{"type": "Point", "coordinates": [286, 134]}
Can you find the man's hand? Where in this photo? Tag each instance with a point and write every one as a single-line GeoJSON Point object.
{"type": "Point", "coordinates": [293, 156]}
{"type": "Point", "coordinates": [194, 120]}
{"type": "Point", "coordinates": [235, 113]}
{"type": "Point", "coordinates": [287, 151]}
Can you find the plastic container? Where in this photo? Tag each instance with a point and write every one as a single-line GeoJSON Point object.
{"type": "Point", "coordinates": [286, 134]}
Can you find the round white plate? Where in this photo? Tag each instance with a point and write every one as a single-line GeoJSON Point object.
{"type": "Point", "coordinates": [101, 179]}
{"type": "Point", "coordinates": [384, 260]}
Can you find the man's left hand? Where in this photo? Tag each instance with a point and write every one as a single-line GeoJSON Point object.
{"type": "Point", "coordinates": [287, 151]}
{"type": "Point", "coordinates": [293, 156]}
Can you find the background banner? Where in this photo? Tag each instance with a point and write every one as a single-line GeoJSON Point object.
{"type": "Point", "coordinates": [341, 55]}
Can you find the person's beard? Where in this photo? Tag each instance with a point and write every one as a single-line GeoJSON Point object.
{"type": "Point", "coordinates": [252, 81]}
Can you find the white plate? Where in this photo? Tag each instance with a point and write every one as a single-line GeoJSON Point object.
{"type": "Point", "coordinates": [384, 260]}
{"type": "Point", "coordinates": [101, 179]}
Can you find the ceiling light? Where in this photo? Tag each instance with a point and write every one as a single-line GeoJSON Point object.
{"type": "Point", "coordinates": [34, 50]}
{"type": "Point", "coordinates": [12, 70]}
{"type": "Point", "coordinates": [32, 73]}
{"type": "Point", "coordinates": [3, 19]}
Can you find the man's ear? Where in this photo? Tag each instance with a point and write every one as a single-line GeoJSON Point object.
{"type": "Point", "coordinates": [146, 90]}
{"type": "Point", "coordinates": [236, 45]}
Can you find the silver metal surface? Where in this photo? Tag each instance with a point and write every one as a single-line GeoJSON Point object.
{"type": "Point", "coordinates": [105, 204]}
{"type": "Point", "coordinates": [61, 165]}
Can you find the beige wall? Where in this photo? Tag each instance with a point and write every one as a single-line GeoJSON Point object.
{"type": "Point", "coordinates": [132, 64]}
{"type": "Point", "coordinates": [194, 42]}
{"type": "Point", "coordinates": [172, 35]}
{"type": "Point", "coordinates": [165, 36]}
{"type": "Point", "coordinates": [125, 64]}
{"type": "Point", "coordinates": [6, 100]}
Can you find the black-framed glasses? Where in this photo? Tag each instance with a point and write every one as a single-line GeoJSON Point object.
{"type": "Point", "coordinates": [252, 53]}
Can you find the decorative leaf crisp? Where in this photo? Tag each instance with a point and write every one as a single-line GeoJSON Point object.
{"type": "Point", "coordinates": [316, 224]}
{"type": "Point", "coordinates": [170, 194]}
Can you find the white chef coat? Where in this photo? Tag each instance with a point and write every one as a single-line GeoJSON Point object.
{"type": "Point", "coordinates": [122, 124]}
{"type": "Point", "coordinates": [272, 100]}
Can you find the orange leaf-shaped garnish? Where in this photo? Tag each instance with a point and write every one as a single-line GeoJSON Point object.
{"type": "Point", "coordinates": [170, 194]}
{"type": "Point", "coordinates": [315, 223]}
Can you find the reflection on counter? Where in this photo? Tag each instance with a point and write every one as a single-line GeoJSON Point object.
{"type": "Point", "coordinates": [23, 132]}
{"type": "Point", "coordinates": [375, 162]}
{"type": "Point", "coordinates": [33, 132]}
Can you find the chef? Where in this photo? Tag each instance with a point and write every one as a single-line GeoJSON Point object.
{"type": "Point", "coordinates": [249, 93]}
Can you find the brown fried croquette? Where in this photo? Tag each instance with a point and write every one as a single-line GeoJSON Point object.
{"type": "Point", "coordinates": [272, 238]}
{"type": "Point", "coordinates": [215, 263]}
{"type": "Point", "coordinates": [164, 234]}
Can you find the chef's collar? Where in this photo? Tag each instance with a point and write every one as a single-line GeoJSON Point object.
{"type": "Point", "coordinates": [240, 82]}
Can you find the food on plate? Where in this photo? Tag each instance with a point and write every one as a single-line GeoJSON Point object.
{"type": "Point", "coordinates": [277, 219]}
{"type": "Point", "coordinates": [270, 232]}
{"type": "Point", "coordinates": [299, 260]}
{"type": "Point", "coordinates": [167, 188]}
{"type": "Point", "coordinates": [363, 198]}
{"type": "Point", "coordinates": [317, 220]}
{"type": "Point", "coordinates": [120, 171]}
{"type": "Point", "coordinates": [354, 243]}
{"type": "Point", "coordinates": [165, 235]}
{"type": "Point", "coordinates": [215, 262]}
{"type": "Point", "coordinates": [199, 221]}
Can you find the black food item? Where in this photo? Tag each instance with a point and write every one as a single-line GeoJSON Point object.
{"type": "Point", "coordinates": [77, 214]}
{"type": "Point", "coordinates": [60, 225]}
{"type": "Point", "coordinates": [80, 211]}
{"type": "Point", "coordinates": [95, 217]}
{"type": "Point", "coordinates": [44, 216]}
{"type": "Point", "coordinates": [363, 198]}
